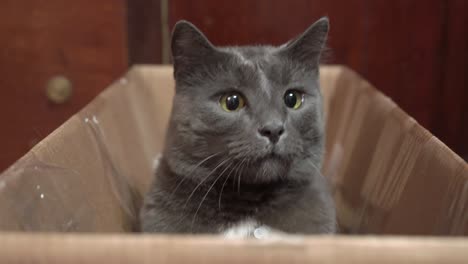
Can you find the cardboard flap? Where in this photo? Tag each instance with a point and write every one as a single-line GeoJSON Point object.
{"type": "Point", "coordinates": [178, 249]}
{"type": "Point", "coordinates": [391, 175]}
{"type": "Point", "coordinates": [90, 174]}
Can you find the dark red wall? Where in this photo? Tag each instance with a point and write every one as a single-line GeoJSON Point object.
{"type": "Point", "coordinates": [84, 41]}
{"type": "Point", "coordinates": [416, 52]}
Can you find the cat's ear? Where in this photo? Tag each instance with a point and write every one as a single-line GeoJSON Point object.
{"type": "Point", "coordinates": [307, 48]}
{"type": "Point", "coordinates": [189, 47]}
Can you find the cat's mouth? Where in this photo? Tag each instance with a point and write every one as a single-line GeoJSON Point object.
{"type": "Point", "coordinates": [268, 168]}
{"type": "Point", "coordinates": [273, 156]}
{"type": "Point", "coordinates": [274, 153]}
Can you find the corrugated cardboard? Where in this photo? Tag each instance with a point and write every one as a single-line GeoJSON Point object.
{"type": "Point", "coordinates": [391, 176]}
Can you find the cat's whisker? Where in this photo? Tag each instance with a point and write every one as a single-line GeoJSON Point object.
{"type": "Point", "coordinates": [224, 184]}
{"type": "Point", "coordinates": [315, 167]}
{"type": "Point", "coordinates": [204, 179]}
{"type": "Point", "coordinates": [209, 189]}
{"type": "Point", "coordinates": [196, 167]}
{"type": "Point", "coordinates": [236, 171]}
{"type": "Point", "coordinates": [235, 144]}
{"type": "Point", "coordinates": [264, 171]}
{"type": "Point", "coordinates": [240, 175]}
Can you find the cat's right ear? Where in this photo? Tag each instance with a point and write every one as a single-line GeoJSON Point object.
{"type": "Point", "coordinates": [307, 48]}
{"type": "Point", "coordinates": [190, 48]}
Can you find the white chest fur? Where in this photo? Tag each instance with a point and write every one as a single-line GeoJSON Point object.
{"type": "Point", "coordinates": [251, 229]}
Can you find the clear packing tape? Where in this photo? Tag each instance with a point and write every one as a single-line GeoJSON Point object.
{"type": "Point", "coordinates": [390, 175]}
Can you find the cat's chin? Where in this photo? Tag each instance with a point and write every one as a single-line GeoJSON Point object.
{"type": "Point", "coordinates": [270, 168]}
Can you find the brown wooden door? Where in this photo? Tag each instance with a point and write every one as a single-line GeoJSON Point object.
{"type": "Point", "coordinates": [84, 41]}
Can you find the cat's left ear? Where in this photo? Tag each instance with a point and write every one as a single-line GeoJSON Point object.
{"type": "Point", "coordinates": [190, 48]}
{"type": "Point", "coordinates": [307, 48]}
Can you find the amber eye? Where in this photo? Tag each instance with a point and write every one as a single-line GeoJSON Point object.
{"type": "Point", "coordinates": [293, 99]}
{"type": "Point", "coordinates": [232, 102]}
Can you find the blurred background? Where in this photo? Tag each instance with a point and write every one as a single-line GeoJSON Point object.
{"type": "Point", "coordinates": [56, 56]}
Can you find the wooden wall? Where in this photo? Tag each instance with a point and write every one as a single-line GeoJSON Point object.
{"type": "Point", "coordinates": [84, 41]}
{"type": "Point", "coordinates": [415, 51]}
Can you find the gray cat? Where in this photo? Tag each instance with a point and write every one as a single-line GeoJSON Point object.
{"type": "Point", "coordinates": [245, 140]}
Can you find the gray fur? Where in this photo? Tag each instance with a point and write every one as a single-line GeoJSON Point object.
{"type": "Point", "coordinates": [216, 169]}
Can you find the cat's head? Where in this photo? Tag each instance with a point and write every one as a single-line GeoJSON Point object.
{"type": "Point", "coordinates": [250, 110]}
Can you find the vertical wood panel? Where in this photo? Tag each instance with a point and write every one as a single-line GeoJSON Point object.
{"type": "Point", "coordinates": [405, 39]}
{"type": "Point", "coordinates": [144, 31]}
{"type": "Point", "coordinates": [451, 124]}
{"type": "Point", "coordinates": [83, 40]}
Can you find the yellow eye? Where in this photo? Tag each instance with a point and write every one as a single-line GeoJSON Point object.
{"type": "Point", "coordinates": [232, 102]}
{"type": "Point", "coordinates": [293, 99]}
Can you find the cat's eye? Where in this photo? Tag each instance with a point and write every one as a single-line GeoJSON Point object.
{"type": "Point", "coordinates": [293, 99]}
{"type": "Point", "coordinates": [232, 102]}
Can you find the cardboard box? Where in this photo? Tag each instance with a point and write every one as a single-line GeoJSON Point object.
{"type": "Point", "coordinates": [87, 178]}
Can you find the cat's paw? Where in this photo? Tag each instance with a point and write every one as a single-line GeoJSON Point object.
{"type": "Point", "coordinates": [241, 230]}
{"type": "Point", "coordinates": [251, 229]}
{"type": "Point", "coordinates": [156, 160]}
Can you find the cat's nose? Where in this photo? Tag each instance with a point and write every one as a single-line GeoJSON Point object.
{"type": "Point", "coordinates": [272, 131]}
